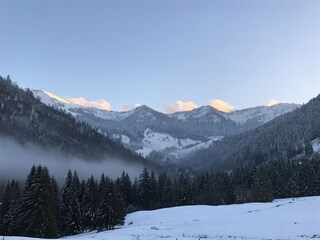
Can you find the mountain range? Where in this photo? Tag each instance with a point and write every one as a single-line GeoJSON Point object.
{"type": "Point", "coordinates": [175, 135]}
{"type": "Point", "coordinates": [199, 140]}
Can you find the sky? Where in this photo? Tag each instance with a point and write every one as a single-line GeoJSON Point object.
{"type": "Point", "coordinates": [169, 54]}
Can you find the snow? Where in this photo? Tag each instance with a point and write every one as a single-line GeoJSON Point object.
{"type": "Point", "coordinates": [50, 99]}
{"type": "Point", "coordinates": [316, 145]}
{"type": "Point", "coordinates": [263, 113]}
{"type": "Point", "coordinates": [196, 113]}
{"type": "Point", "coordinates": [124, 139]}
{"type": "Point", "coordinates": [160, 141]}
{"type": "Point", "coordinates": [58, 102]}
{"type": "Point", "coordinates": [202, 145]}
{"type": "Point", "coordinates": [281, 219]}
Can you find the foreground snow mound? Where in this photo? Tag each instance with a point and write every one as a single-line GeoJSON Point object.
{"type": "Point", "coordinates": [281, 219]}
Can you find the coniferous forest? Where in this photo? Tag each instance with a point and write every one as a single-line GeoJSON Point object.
{"type": "Point", "coordinates": [42, 208]}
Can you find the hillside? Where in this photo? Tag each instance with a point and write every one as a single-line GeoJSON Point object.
{"type": "Point", "coordinates": [27, 120]}
{"type": "Point", "coordinates": [288, 136]}
{"type": "Point", "coordinates": [281, 219]}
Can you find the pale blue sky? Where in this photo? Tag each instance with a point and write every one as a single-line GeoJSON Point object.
{"type": "Point", "coordinates": [158, 52]}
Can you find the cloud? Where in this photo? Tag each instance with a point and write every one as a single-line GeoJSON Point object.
{"type": "Point", "coordinates": [272, 102]}
{"type": "Point", "coordinates": [126, 107]}
{"type": "Point", "coordinates": [186, 106]}
{"type": "Point", "coordinates": [100, 104]}
{"type": "Point", "coordinates": [181, 106]}
{"type": "Point", "coordinates": [169, 108]}
{"type": "Point", "coordinates": [221, 105]}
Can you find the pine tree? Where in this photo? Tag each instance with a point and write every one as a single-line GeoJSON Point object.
{"type": "Point", "coordinates": [126, 188]}
{"type": "Point", "coordinates": [37, 217]}
{"type": "Point", "coordinates": [111, 211]}
{"type": "Point", "coordinates": [70, 207]}
{"type": "Point", "coordinates": [165, 190]}
{"type": "Point", "coordinates": [144, 190]}
{"type": "Point", "coordinates": [56, 203]}
{"type": "Point", "coordinates": [153, 190]}
{"type": "Point", "coordinates": [184, 196]}
{"type": "Point", "coordinates": [90, 203]}
{"type": "Point", "coordinates": [116, 206]}
{"type": "Point", "coordinates": [262, 190]}
{"type": "Point", "coordinates": [8, 206]}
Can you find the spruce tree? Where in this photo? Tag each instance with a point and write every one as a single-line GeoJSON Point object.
{"type": "Point", "coordinates": [111, 211]}
{"type": "Point", "coordinates": [262, 190]}
{"type": "Point", "coordinates": [8, 206]}
{"type": "Point", "coordinates": [126, 188]}
{"type": "Point", "coordinates": [165, 190]}
{"type": "Point", "coordinates": [144, 190]}
{"type": "Point", "coordinates": [90, 204]}
{"type": "Point", "coordinates": [70, 207]}
{"type": "Point", "coordinates": [184, 196]}
{"type": "Point", "coordinates": [36, 213]}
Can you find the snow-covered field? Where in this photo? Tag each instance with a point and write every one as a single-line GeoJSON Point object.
{"type": "Point", "coordinates": [281, 219]}
{"type": "Point", "coordinates": [177, 147]}
{"type": "Point", "coordinates": [160, 141]}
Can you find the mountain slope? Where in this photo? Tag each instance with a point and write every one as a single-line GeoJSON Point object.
{"type": "Point", "coordinates": [197, 127]}
{"type": "Point", "coordinates": [26, 119]}
{"type": "Point", "coordinates": [282, 138]}
{"type": "Point", "coordinates": [206, 121]}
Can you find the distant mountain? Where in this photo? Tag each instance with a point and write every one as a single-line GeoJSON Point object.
{"type": "Point", "coordinates": [27, 120]}
{"type": "Point", "coordinates": [292, 135]}
{"type": "Point", "coordinates": [176, 135]}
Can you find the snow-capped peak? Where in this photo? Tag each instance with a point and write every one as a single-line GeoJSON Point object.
{"type": "Point", "coordinates": [51, 95]}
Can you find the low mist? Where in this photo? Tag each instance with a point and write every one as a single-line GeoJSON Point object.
{"type": "Point", "coordinates": [16, 161]}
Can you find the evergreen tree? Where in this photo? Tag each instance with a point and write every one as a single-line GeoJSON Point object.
{"type": "Point", "coordinates": [262, 190]}
{"type": "Point", "coordinates": [111, 211]}
{"type": "Point", "coordinates": [184, 196]}
{"type": "Point", "coordinates": [37, 217]}
{"type": "Point", "coordinates": [153, 190]}
{"type": "Point", "coordinates": [165, 190]}
{"type": "Point", "coordinates": [126, 188]}
{"type": "Point", "coordinates": [8, 206]}
{"type": "Point", "coordinates": [70, 207]}
{"type": "Point", "coordinates": [90, 204]}
{"type": "Point", "coordinates": [144, 190]}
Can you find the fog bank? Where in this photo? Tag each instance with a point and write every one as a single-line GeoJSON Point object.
{"type": "Point", "coordinates": [16, 161]}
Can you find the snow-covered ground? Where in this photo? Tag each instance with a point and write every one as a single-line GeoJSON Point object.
{"type": "Point", "coordinates": [160, 141]}
{"type": "Point", "coordinates": [123, 138]}
{"type": "Point", "coordinates": [183, 152]}
{"type": "Point", "coordinates": [155, 141]}
{"type": "Point", "coordinates": [281, 219]}
{"type": "Point", "coordinates": [263, 113]}
{"type": "Point", "coordinates": [316, 144]}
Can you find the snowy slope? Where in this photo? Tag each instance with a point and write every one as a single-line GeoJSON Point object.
{"type": "Point", "coordinates": [261, 114]}
{"type": "Point", "coordinates": [61, 103]}
{"type": "Point", "coordinates": [198, 113]}
{"type": "Point", "coordinates": [281, 219]}
{"type": "Point", "coordinates": [160, 141]}
{"type": "Point", "coordinates": [199, 146]}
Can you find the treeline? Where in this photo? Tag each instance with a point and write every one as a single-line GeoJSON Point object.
{"type": "Point", "coordinates": [44, 210]}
